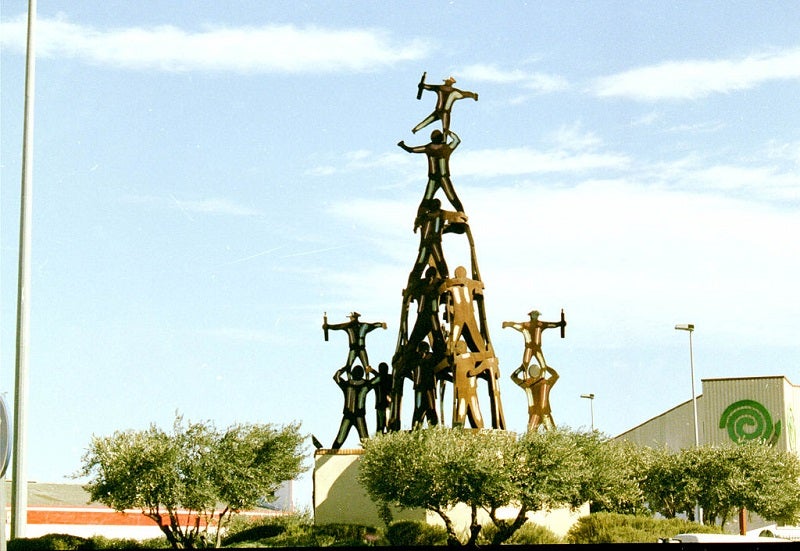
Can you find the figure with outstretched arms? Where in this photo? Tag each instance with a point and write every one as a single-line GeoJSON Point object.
{"type": "Point", "coordinates": [446, 96]}
{"type": "Point", "coordinates": [532, 333]}
{"type": "Point", "coordinates": [438, 152]}
{"type": "Point", "coordinates": [536, 379]}
{"type": "Point", "coordinates": [357, 336]}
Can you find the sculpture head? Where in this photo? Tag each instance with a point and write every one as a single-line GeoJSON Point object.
{"type": "Point", "coordinates": [437, 136]}
{"type": "Point", "coordinates": [461, 271]}
{"type": "Point", "coordinates": [431, 272]}
{"type": "Point", "coordinates": [383, 368]}
{"type": "Point", "coordinates": [354, 316]}
{"type": "Point", "coordinates": [534, 314]}
{"type": "Point", "coordinates": [357, 373]}
{"type": "Point", "coordinates": [534, 371]}
{"type": "Point", "coordinates": [449, 80]}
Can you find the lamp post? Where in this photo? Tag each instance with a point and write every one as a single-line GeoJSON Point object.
{"type": "Point", "coordinates": [689, 327]}
{"type": "Point", "coordinates": [590, 397]}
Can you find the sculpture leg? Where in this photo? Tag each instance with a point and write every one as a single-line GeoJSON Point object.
{"type": "Point", "coordinates": [341, 436]}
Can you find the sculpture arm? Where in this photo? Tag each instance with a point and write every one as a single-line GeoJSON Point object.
{"type": "Point", "coordinates": [513, 325]}
{"type": "Point", "coordinates": [416, 149]}
{"type": "Point", "coordinates": [336, 326]}
{"type": "Point", "coordinates": [338, 376]}
{"type": "Point", "coordinates": [455, 141]}
{"type": "Point", "coordinates": [515, 376]}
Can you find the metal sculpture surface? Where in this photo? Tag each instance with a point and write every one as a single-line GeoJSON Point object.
{"type": "Point", "coordinates": [356, 335]}
{"type": "Point", "coordinates": [445, 338]}
{"type": "Point", "coordinates": [355, 388]}
{"type": "Point", "coordinates": [536, 379]}
{"type": "Point", "coordinates": [356, 381]}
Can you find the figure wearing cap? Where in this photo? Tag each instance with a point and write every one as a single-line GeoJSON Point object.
{"type": "Point", "coordinates": [446, 96]}
{"type": "Point", "coordinates": [357, 335]}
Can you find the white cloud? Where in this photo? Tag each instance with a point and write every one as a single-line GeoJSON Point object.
{"type": "Point", "coordinates": [540, 82]}
{"type": "Point", "coordinates": [214, 206]}
{"type": "Point", "coordinates": [524, 160]}
{"type": "Point", "coordinates": [269, 48]}
{"type": "Point", "coordinates": [694, 79]}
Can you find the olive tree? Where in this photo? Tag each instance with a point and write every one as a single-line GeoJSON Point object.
{"type": "Point", "coordinates": [202, 473]}
{"type": "Point", "coordinates": [437, 468]}
{"type": "Point", "coordinates": [753, 475]}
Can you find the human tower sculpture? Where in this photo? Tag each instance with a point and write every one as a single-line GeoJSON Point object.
{"type": "Point", "coordinates": [443, 337]}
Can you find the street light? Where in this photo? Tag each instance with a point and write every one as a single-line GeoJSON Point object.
{"type": "Point", "coordinates": [690, 328]}
{"type": "Point", "coordinates": [590, 397]}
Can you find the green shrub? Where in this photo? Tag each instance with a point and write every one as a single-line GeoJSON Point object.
{"type": "Point", "coordinates": [533, 534]}
{"type": "Point", "coordinates": [102, 542]}
{"type": "Point", "coordinates": [617, 528]}
{"type": "Point", "coordinates": [411, 532]}
{"type": "Point", "coordinates": [50, 541]}
{"type": "Point", "coordinates": [346, 534]}
{"type": "Point", "coordinates": [295, 530]}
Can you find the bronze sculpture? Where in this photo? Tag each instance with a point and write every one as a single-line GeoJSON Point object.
{"type": "Point", "coordinates": [446, 96]}
{"type": "Point", "coordinates": [356, 335]}
{"type": "Point", "coordinates": [438, 151]}
{"type": "Point", "coordinates": [536, 379]}
{"type": "Point", "coordinates": [354, 413]}
{"type": "Point", "coordinates": [450, 313]}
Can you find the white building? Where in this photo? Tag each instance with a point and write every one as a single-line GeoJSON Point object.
{"type": "Point", "coordinates": [729, 410]}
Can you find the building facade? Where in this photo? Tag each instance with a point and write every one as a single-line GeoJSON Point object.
{"type": "Point", "coordinates": [729, 411]}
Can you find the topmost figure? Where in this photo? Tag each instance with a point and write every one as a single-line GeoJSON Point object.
{"type": "Point", "coordinates": [446, 95]}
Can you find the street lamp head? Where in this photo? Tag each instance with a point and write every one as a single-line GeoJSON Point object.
{"type": "Point", "coordinates": [589, 396]}
{"type": "Point", "coordinates": [685, 327]}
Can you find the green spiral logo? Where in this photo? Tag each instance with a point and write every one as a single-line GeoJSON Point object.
{"type": "Point", "coordinates": [748, 420]}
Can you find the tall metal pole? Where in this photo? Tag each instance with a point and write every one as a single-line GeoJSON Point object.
{"type": "Point", "coordinates": [689, 327]}
{"type": "Point", "coordinates": [19, 488]}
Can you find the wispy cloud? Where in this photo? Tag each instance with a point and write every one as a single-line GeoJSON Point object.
{"type": "Point", "coordinates": [213, 206]}
{"type": "Point", "coordinates": [692, 79]}
{"type": "Point", "coordinates": [524, 160]}
{"type": "Point", "coordinates": [539, 82]}
{"type": "Point", "coordinates": [264, 49]}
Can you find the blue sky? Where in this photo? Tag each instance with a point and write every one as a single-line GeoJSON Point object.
{"type": "Point", "coordinates": [209, 178]}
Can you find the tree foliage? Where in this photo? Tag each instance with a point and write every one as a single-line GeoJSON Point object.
{"type": "Point", "coordinates": [437, 468]}
{"type": "Point", "coordinates": [202, 473]}
{"type": "Point", "coordinates": [753, 475]}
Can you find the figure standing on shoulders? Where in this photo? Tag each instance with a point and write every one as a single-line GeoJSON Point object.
{"type": "Point", "coordinates": [532, 333]}
{"type": "Point", "coordinates": [446, 96]}
{"type": "Point", "coordinates": [357, 336]}
{"type": "Point", "coordinates": [438, 152]}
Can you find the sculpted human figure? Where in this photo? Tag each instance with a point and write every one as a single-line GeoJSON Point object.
{"type": "Point", "coordinates": [382, 384]}
{"type": "Point", "coordinates": [438, 152]}
{"type": "Point", "coordinates": [424, 388]}
{"type": "Point", "coordinates": [535, 380]}
{"type": "Point", "coordinates": [532, 333]}
{"type": "Point", "coordinates": [426, 292]}
{"type": "Point", "coordinates": [432, 222]}
{"type": "Point", "coordinates": [465, 389]}
{"type": "Point", "coordinates": [446, 96]}
{"type": "Point", "coordinates": [357, 336]}
{"type": "Point", "coordinates": [462, 291]}
{"type": "Point", "coordinates": [537, 383]}
{"type": "Point", "coordinates": [355, 389]}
